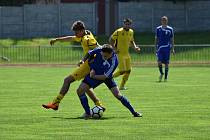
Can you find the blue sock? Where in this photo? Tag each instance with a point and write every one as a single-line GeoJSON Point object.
{"type": "Point", "coordinates": [160, 69]}
{"type": "Point", "coordinates": [166, 73]}
{"type": "Point", "coordinates": [127, 104]}
{"type": "Point", "coordinates": [84, 102]}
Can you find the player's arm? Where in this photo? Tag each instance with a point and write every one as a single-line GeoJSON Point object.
{"type": "Point", "coordinates": [112, 40]}
{"type": "Point", "coordinates": [87, 55]}
{"type": "Point", "coordinates": [90, 55]}
{"type": "Point", "coordinates": [134, 46]}
{"type": "Point", "coordinates": [97, 77]}
{"type": "Point", "coordinates": [62, 39]}
{"type": "Point", "coordinates": [172, 43]}
{"type": "Point", "coordinates": [156, 42]}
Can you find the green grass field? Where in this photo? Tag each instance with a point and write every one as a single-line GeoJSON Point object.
{"type": "Point", "coordinates": [178, 109]}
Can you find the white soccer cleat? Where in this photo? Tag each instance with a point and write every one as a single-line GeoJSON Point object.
{"type": "Point", "coordinates": [84, 115]}
{"type": "Point", "coordinates": [160, 77]}
{"type": "Point", "coordinates": [122, 88]}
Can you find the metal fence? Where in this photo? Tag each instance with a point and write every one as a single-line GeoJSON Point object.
{"type": "Point", "coordinates": [185, 54]}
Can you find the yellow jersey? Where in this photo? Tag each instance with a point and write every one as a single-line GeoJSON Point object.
{"type": "Point", "coordinates": [122, 40]}
{"type": "Point", "coordinates": [88, 41]}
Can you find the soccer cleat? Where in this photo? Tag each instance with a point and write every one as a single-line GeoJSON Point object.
{"type": "Point", "coordinates": [122, 88]}
{"type": "Point", "coordinates": [160, 77]}
{"type": "Point", "coordinates": [53, 106]}
{"type": "Point", "coordinates": [137, 114]}
{"type": "Point", "coordinates": [84, 115]}
{"type": "Point", "coordinates": [165, 80]}
{"type": "Point", "coordinates": [87, 116]}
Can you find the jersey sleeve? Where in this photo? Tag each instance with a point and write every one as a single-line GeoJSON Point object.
{"type": "Point", "coordinates": [132, 34]}
{"type": "Point", "coordinates": [172, 33]}
{"type": "Point", "coordinates": [77, 39]}
{"type": "Point", "coordinates": [109, 72]}
{"type": "Point", "coordinates": [114, 35]}
{"type": "Point", "coordinates": [156, 32]}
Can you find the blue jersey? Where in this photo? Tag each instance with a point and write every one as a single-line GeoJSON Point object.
{"type": "Point", "coordinates": [164, 36]}
{"type": "Point", "coordinates": [100, 65]}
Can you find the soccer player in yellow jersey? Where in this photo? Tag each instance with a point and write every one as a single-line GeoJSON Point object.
{"type": "Point", "coordinates": [121, 40]}
{"type": "Point", "coordinates": [88, 42]}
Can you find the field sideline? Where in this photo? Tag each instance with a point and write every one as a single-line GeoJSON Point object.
{"type": "Point", "coordinates": [178, 109]}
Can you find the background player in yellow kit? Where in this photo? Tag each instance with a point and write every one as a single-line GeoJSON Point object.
{"type": "Point", "coordinates": [121, 40]}
{"type": "Point", "coordinates": [88, 42]}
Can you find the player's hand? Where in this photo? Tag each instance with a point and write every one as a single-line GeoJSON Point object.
{"type": "Point", "coordinates": [52, 41]}
{"type": "Point", "coordinates": [80, 63]}
{"type": "Point", "coordinates": [92, 74]}
{"type": "Point", "coordinates": [173, 51]}
{"type": "Point", "coordinates": [137, 49]}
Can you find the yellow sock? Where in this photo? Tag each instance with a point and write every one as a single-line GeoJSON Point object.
{"type": "Point", "coordinates": [124, 80]}
{"type": "Point", "coordinates": [58, 99]}
{"type": "Point", "coordinates": [98, 103]}
{"type": "Point", "coordinates": [116, 74]}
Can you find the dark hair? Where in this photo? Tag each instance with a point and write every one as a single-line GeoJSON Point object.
{"type": "Point", "coordinates": [127, 20]}
{"type": "Point", "coordinates": [107, 48]}
{"type": "Point", "coordinates": [78, 25]}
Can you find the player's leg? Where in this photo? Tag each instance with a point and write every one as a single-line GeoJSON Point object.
{"type": "Point", "coordinates": [126, 74]}
{"type": "Point", "coordinates": [95, 99]}
{"type": "Point", "coordinates": [160, 66]}
{"type": "Point", "coordinates": [78, 74]}
{"type": "Point", "coordinates": [118, 73]}
{"type": "Point", "coordinates": [110, 83]}
{"type": "Point", "coordinates": [124, 80]}
{"type": "Point", "coordinates": [86, 84]}
{"type": "Point", "coordinates": [85, 70]}
{"type": "Point", "coordinates": [83, 99]}
{"type": "Point", "coordinates": [115, 91]}
{"type": "Point", "coordinates": [121, 66]}
{"type": "Point", "coordinates": [167, 57]}
{"type": "Point", "coordinates": [166, 72]}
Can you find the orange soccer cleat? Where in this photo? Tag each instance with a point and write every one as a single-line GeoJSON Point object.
{"type": "Point", "coordinates": [53, 106]}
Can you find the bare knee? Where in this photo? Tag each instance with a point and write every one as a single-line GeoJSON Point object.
{"type": "Point", "coordinates": [79, 91]}
{"type": "Point", "coordinates": [122, 72]}
{"type": "Point", "coordinates": [69, 80]}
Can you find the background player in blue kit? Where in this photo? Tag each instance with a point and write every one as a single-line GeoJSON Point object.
{"type": "Point", "coordinates": [164, 43]}
{"type": "Point", "coordinates": [102, 61]}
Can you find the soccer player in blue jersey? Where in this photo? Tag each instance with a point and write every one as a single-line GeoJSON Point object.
{"type": "Point", "coordinates": [164, 43]}
{"type": "Point", "coordinates": [102, 61]}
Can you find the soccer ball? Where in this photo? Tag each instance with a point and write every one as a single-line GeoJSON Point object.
{"type": "Point", "coordinates": [97, 112]}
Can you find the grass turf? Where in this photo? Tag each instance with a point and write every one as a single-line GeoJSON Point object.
{"type": "Point", "coordinates": [177, 109]}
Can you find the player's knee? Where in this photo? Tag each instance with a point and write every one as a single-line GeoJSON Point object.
{"type": "Point", "coordinates": [128, 72]}
{"type": "Point", "coordinates": [68, 79]}
{"type": "Point", "coordinates": [122, 72]}
{"type": "Point", "coordinates": [118, 96]}
{"type": "Point", "coordinates": [79, 91]}
{"type": "Point", "coordinates": [159, 64]}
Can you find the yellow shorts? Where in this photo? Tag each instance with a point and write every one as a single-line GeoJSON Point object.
{"type": "Point", "coordinates": [124, 63]}
{"type": "Point", "coordinates": [81, 71]}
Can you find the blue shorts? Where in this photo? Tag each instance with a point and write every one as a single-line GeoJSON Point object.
{"type": "Point", "coordinates": [163, 56]}
{"type": "Point", "coordinates": [93, 83]}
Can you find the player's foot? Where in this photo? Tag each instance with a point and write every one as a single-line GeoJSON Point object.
{"type": "Point", "coordinates": [53, 106]}
{"type": "Point", "coordinates": [101, 105]}
{"type": "Point", "coordinates": [165, 80]}
{"type": "Point", "coordinates": [122, 88]}
{"type": "Point", "coordinates": [84, 114]}
{"type": "Point", "coordinates": [87, 116]}
{"type": "Point", "coordinates": [160, 77]}
{"type": "Point", "coordinates": [137, 114]}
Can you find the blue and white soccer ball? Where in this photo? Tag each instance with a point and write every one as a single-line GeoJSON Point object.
{"type": "Point", "coordinates": [97, 112]}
